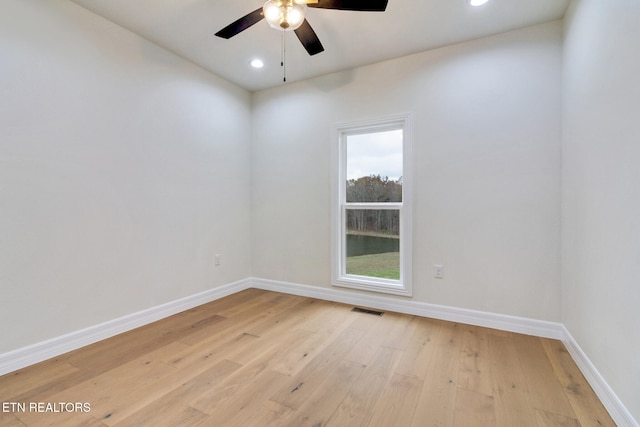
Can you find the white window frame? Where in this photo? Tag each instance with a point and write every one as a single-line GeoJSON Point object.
{"type": "Point", "coordinates": [340, 132]}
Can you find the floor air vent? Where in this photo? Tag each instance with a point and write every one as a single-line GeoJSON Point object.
{"type": "Point", "coordinates": [364, 310]}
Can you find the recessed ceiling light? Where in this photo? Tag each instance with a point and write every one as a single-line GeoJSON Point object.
{"type": "Point", "coordinates": [257, 63]}
{"type": "Point", "coordinates": [477, 2]}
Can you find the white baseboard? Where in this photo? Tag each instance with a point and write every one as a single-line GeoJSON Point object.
{"type": "Point", "coordinates": [39, 352]}
{"type": "Point", "coordinates": [607, 396]}
{"type": "Point", "coordinates": [54, 347]}
{"type": "Point", "coordinates": [503, 322]}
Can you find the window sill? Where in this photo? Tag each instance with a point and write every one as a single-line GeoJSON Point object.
{"type": "Point", "coordinates": [363, 283]}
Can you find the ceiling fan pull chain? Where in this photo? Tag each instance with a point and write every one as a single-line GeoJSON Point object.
{"type": "Point", "coordinates": [283, 59]}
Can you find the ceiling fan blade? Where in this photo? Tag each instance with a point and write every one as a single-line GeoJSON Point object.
{"type": "Point", "coordinates": [305, 1]}
{"type": "Point", "coordinates": [308, 38]}
{"type": "Point", "coordinates": [241, 24]}
{"type": "Point", "coordinates": [357, 5]}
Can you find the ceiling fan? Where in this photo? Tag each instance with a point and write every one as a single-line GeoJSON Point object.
{"type": "Point", "coordinates": [288, 15]}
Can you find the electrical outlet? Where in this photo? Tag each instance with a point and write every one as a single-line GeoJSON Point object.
{"type": "Point", "coordinates": [438, 271]}
{"type": "Point", "coordinates": [217, 259]}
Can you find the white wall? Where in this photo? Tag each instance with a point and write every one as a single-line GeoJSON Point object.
{"type": "Point", "coordinates": [601, 189]}
{"type": "Point", "coordinates": [487, 169]}
{"type": "Point", "coordinates": [123, 169]}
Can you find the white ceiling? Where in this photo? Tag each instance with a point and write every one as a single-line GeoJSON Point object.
{"type": "Point", "coordinates": [350, 39]}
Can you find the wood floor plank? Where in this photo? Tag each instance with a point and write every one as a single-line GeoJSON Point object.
{"type": "Point", "coordinates": [301, 386]}
{"type": "Point", "coordinates": [512, 402]}
{"type": "Point", "coordinates": [236, 338]}
{"type": "Point", "coordinates": [437, 397]}
{"type": "Point", "coordinates": [397, 403]}
{"type": "Point", "coordinates": [382, 334]}
{"type": "Point", "coordinates": [475, 362]}
{"type": "Point", "coordinates": [216, 397]}
{"type": "Point", "coordinates": [322, 315]}
{"type": "Point", "coordinates": [10, 420]}
{"type": "Point", "coordinates": [279, 350]}
{"type": "Point", "coordinates": [239, 299]}
{"type": "Point", "coordinates": [66, 420]}
{"type": "Point", "coordinates": [291, 310]}
{"type": "Point", "coordinates": [175, 414]}
{"type": "Point", "coordinates": [543, 384]}
{"type": "Point", "coordinates": [245, 319]}
{"type": "Point", "coordinates": [414, 360]}
{"type": "Point", "coordinates": [121, 391]}
{"type": "Point", "coordinates": [474, 409]}
{"type": "Point", "coordinates": [218, 345]}
{"type": "Point", "coordinates": [260, 358]}
{"type": "Point", "coordinates": [133, 344]}
{"type": "Point", "coordinates": [270, 354]}
{"type": "Point", "coordinates": [588, 409]}
{"type": "Point", "coordinates": [306, 339]}
{"type": "Point", "coordinates": [116, 394]}
{"type": "Point", "coordinates": [320, 405]}
{"type": "Point", "coordinates": [365, 321]}
{"type": "Point", "coordinates": [548, 419]}
{"type": "Point", "coordinates": [169, 401]}
{"type": "Point", "coordinates": [356, 409]}
{"type": "Point", "coordinates": [310, 347]}
{"type": "Point", "coordinates": [301, 354]}
{"type": "Point", "coordinates": [267, 414]}
{"type": "Point", "coordinates": [246, 401]}
{"type": "Point", "coordinates": [255, 303]}
{"type": "Point", "coordinates": [26, 380]}
{"type": "Point", "coordinates": [401, 330]}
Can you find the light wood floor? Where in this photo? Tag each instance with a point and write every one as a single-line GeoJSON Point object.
{"type": "Point", "coordinates": [260, 358]}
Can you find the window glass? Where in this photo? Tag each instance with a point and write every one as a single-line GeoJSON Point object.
{"type": "Point", "coordinates": [374, 167]}
{"type": "Point", "coordinates": [373, 243]}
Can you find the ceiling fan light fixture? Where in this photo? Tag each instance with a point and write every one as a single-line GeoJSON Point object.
{"type": "Point", "coordinates": [477, 2]}
{"type": "Point", "coordinates": [283, 14]}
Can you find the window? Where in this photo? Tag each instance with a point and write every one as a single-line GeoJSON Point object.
{"type": "Point", "coordinates": [371, 244]}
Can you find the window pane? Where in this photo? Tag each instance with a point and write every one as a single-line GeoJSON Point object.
{"type": "Point", "coordinates": [373, 243]}
{"type": "Point", "coordinates": [374, 167]}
